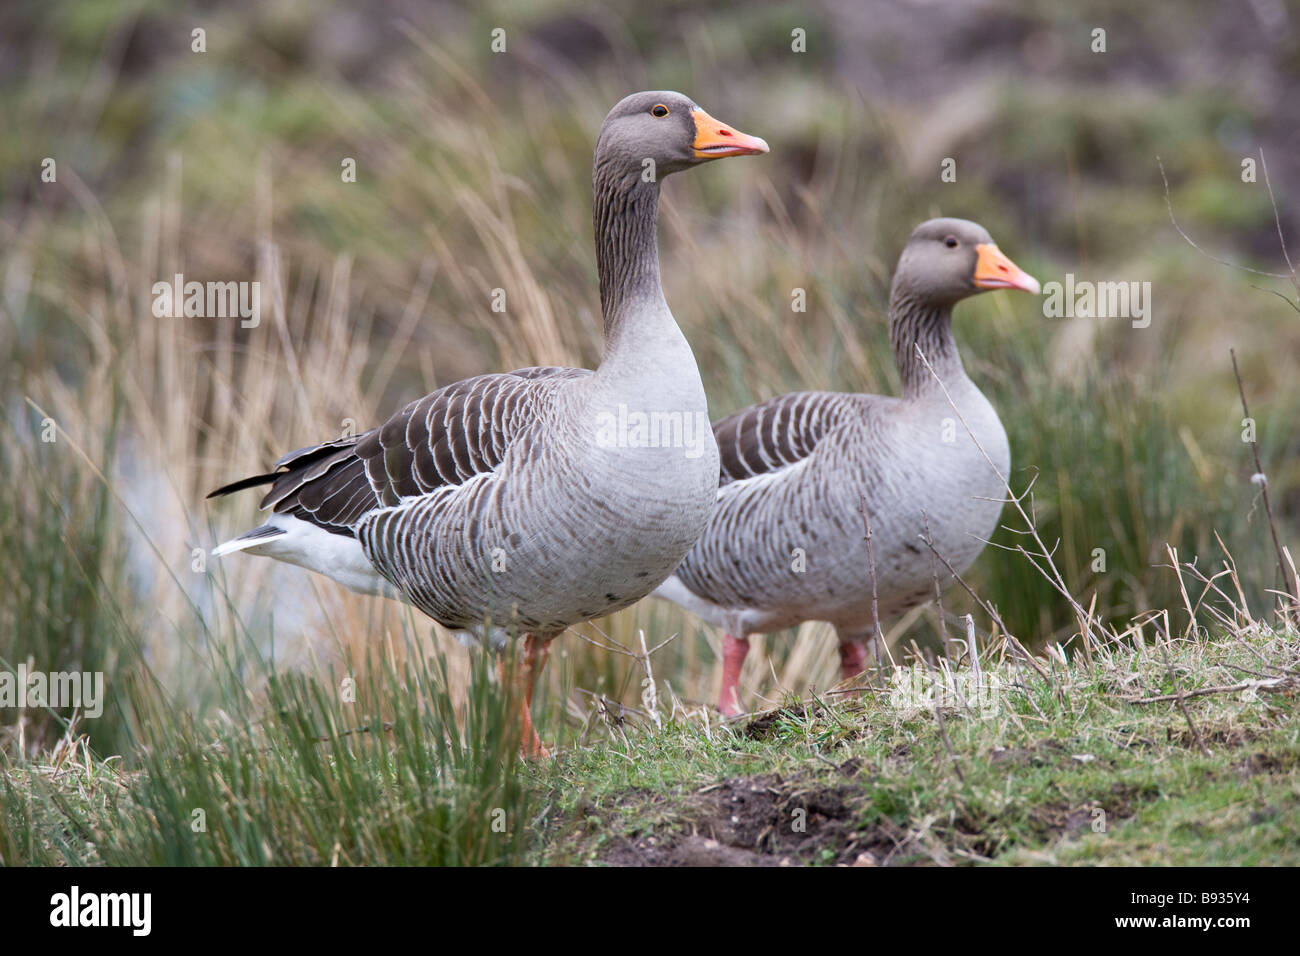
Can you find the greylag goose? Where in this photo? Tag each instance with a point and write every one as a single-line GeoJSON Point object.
{"type": "Point", "coordinates": [511, 503]}
{"type": "Point", "coordinates": [786, 541]}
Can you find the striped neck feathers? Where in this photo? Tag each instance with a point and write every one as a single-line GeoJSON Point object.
{"type": "Point", "coordinates": [626, 216]}
{"type": "Point", "coordinates": [916, 322]}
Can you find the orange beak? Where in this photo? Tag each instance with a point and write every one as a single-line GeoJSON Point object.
{"type": "Point", "coordinates": [714, 139]}
{"type": "Point", "coordinates": [993, 270]}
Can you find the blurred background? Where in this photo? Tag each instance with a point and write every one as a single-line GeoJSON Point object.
{"type": "Point", "coordinates": [473, 173]}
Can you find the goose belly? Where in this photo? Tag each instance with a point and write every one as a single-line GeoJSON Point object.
{"type": "Point", "coordinates": [549, 542]}
{"type": "Point", "coordinates": [955, 506]}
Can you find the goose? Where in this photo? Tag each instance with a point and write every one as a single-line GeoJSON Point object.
{"type": "Point", "coordinates": [785, 543]}
{"type": "Point", "coordinates": [513, 503]}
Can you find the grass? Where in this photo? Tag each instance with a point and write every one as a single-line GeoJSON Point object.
{"type": "Point", "coordinates": [1075, 769]}
{"type": "Point", "coordinates": [357, 768]}
{"type": "Point", "coordinates": [473, 174]}
{"type": "Point", "coordinates": [1088, 765]}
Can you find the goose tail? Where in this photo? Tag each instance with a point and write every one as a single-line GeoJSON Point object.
{"type": "Point", "coordinates": [249, 539]}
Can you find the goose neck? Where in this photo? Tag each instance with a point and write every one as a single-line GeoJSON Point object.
{"type": "Point", "coordinates": [626, 214]}
{"type": "Point", "coordinates": [919, 326]}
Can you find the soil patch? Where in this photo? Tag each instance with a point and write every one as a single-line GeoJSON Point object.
{"type": "Point", "coordinates": [767, 821]}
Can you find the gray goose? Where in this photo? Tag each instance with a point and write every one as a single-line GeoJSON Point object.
{"type": "Point", "coordinates": [785, 543]}
{"type": "Point", "coordinates": [505, 503]}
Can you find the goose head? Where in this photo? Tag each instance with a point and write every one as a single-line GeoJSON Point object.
{"type": "Point", "coordinates": [671, 131]}
{"type": "Point", "coordinates": [946, 260]}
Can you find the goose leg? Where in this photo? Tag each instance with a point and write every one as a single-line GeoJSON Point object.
{"type": "Point", "coordinates": [535, 653]}
{"type": "Point", "coordinates": [853, 658]}
{"type": "Point", "coordinates": [734, 651]}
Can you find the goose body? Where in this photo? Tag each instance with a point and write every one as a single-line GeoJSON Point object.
{"type": "Point", "coordinates": [786, 543]}
{"type": "Point", "coordinates": [512, 503]}
{"type": "Point", "coordinates": [535, 543]}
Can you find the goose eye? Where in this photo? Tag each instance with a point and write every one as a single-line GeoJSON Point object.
{"type": "Point", "coordinates": [660, 110]}
{"type": "Point", "coordinates": [950, 242]}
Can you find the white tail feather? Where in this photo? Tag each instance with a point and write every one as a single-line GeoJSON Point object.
{"type": "Point", "coordinates": [245, 541]}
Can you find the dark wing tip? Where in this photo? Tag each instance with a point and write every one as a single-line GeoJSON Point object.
{"type": "Point", "coordinates": [243, 483]}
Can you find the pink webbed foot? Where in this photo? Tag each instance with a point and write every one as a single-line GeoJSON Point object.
{"type": "Point", "coordinates": [535, 653]}
{"type": "Point", "coordinates": [853, 659]}
{"type": "Point", "coordinates": [734, 651]}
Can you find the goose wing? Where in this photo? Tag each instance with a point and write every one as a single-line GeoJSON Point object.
{"type": "Point", "coordinates": [775, 434]}
{"type": "Point", "coordinates": [440, 440]}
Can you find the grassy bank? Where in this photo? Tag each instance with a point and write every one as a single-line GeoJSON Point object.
{"type": "Point", "coordinates": [1176, 751]}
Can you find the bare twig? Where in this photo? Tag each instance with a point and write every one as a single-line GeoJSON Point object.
{"type": "Point", "coordinates": [649, 693]}
{"type": "Point", "coordinates": [614, 647]}
{"type": "Point", "coordinates": [1223, 262]}
{"type": "Point", "coordinates": [934, 576]}
{"type": "Point", "coordinates": [1277, 221]}
{"type": "Point", "coordinates": [1263, 491]}
{"type": "Point", "coordinates": [387, 726]}
{"type": "Point", "coordinates": [1270, 684]}
{"type": "Point", "coordinates": [993, 615]}
{"type": "Point", "coordinates": [875, 602]}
